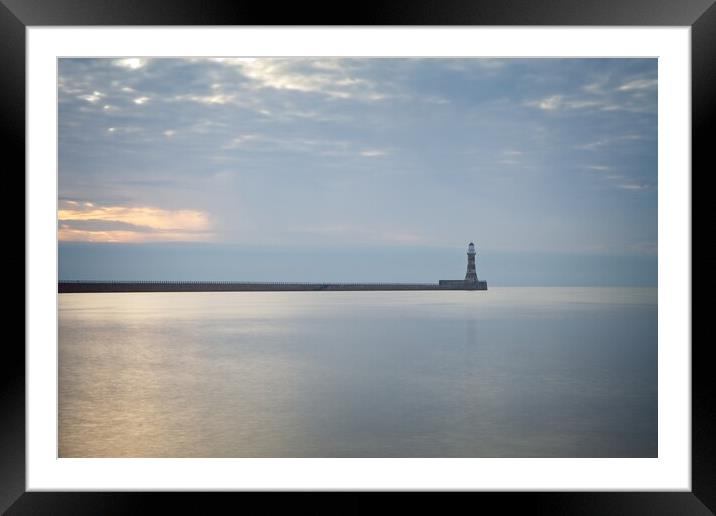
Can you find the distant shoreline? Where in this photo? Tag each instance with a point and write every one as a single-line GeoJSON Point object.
{"type": "Point", "coordinates": [70, 287]}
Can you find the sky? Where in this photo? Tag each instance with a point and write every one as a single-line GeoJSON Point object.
{"type": "Point", "coordinates": [358, 169]}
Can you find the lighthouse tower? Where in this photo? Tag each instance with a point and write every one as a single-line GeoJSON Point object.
{"type": "Point", "coordinates": [471, 276]}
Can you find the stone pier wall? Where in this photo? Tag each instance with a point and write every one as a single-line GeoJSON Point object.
{"type": "Point", "coordinates": [65, 287]}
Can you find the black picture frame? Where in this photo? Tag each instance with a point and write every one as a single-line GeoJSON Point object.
{"type": "Point", "coordinates": [700, 15]}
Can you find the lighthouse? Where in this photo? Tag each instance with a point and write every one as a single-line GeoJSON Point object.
{"type": "Point", "coordinates": [470, 282]}
{"type": "Point", "coordinates": [471, 275]}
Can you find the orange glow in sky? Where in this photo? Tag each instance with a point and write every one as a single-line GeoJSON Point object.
{"type": "Point", "coordinates": [89, 222]}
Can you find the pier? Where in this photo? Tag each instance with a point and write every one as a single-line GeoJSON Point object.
{"type": "Point", "coordinates": [471, 282]}
{"type": "Point", "coordinates": [68, 287]}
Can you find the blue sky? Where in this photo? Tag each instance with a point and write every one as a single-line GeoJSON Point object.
{"type": "Point", "coordinates": [257, 160]}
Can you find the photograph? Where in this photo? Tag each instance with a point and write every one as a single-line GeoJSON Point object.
{"type": "Point", "coordinates": [357, 257]}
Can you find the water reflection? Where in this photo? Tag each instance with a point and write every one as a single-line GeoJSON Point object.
{"type": "Point", "coordinates": [504, 373]}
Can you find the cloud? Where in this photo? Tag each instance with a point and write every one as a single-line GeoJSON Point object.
{"type": "Point", "coordinates": [598, 144]}
{"type": "Point", "coordinates": [558, 102]}
{"type": "Point", "coordinates": [633, 186]}
{"type": "Point", "coordinates": [373, 153]}
{"type": "Point", "coordinates": [332, 77]}
{"type": "Point", "coordinates": [634, 95]}
{"type": "Point", "coordinates": [631, 136]}
{"type": "Point", "coordinates": [90, 222]}
{"type": "Point", "coordinates": [615, 177]}
{"type": "Point", "coordinates": [209, 99]}
{"type": "Point", "coordinates": [638, 84]}
{"type": "Point", "coordinates": [92, 97]}
{"type": "Point", "coordinates": [549, 103]}
{"type": "Point", "coordinates": [131, 63]}
{"type": "Point", "coordinates": [250, 140]}
{"type": "Point", "coordinates": [583, 103]}
{"type": "Point", "coordinates": [242, 140]}
{"type": "Point", "coordinates": [312, 146]}
{"type": "Point", "coordinates": [593, 145]}
{"type": "Point", "coordinates": [124, 130]}
{"type": "Point", "coordinates": [487, 66]}
{"type": "Point", "coordinates": [99, 225]}
{"type": "Point", "coordinates": [595, 87]}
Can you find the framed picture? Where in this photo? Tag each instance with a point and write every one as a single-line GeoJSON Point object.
{"type": "Point", "coordinates": [609, 87]}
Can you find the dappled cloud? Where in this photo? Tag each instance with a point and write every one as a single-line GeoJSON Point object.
{"type": "Point", "coordinates": [90, 222]}
{"type": "Point", "coordinates": [331, 77]}
{"type": "Point", "coordinates": [541, 154]}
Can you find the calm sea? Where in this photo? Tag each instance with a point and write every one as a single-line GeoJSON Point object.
{"type": "Point", "coordinates": [511, 372]}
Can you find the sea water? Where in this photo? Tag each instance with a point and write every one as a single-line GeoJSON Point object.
{"type": "Point", "coordinates": [510, 372]}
